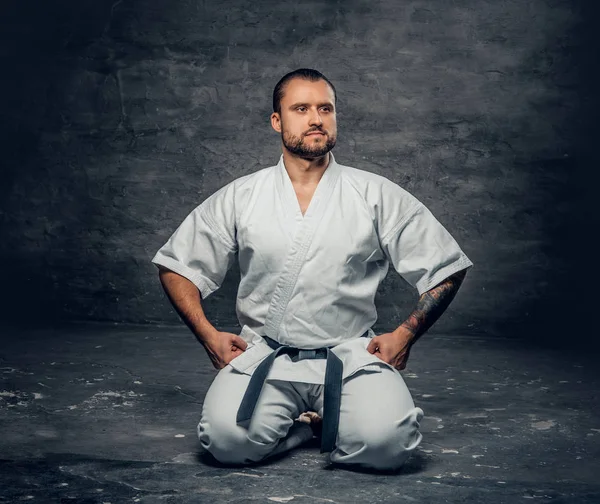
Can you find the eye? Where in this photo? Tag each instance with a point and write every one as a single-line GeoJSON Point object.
{"type": "Point", "coordinates": [326, 109]}
{"type": "Point", "coordinates": [301, 109]}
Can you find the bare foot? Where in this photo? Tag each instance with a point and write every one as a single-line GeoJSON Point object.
{"type": "Point", "coordinates": [314, 420]}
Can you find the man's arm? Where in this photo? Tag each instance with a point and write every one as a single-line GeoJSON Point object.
{"type": "Point", "coordinates": [185, 298]}
{"type": "Point", "coordinates": [431, 305]}
{"type": "Point", "coordinates": [394, 347]}
{"type": "Point", "coordinates": [221, 347]}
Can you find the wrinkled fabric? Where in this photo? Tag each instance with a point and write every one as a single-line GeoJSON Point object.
{"type": "Point", "coordinates": [374, 431]}
{"type": "Point", "coordinates": [309, 281]}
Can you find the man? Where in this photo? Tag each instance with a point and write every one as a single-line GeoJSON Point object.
{"type": "Point", "coordinates": [314, 239]}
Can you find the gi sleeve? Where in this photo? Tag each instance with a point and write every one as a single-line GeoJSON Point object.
{"type": "Point", "coordinates": [203, 247]}
{"type": "Point", "coordinates": [421, 250]}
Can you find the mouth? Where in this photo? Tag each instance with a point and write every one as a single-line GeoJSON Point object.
{"type": "Point", "coordinates": [312, 133]}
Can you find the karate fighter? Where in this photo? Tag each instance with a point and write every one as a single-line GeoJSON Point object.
{"type": "Point", "coordinates": [314, 239]}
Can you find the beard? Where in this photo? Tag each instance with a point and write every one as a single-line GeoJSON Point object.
{"type": "Point", "coordinates": [297, 146]}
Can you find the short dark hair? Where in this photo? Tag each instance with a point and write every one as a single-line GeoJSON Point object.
{"type": "Point", "coordinates": [302, 73]}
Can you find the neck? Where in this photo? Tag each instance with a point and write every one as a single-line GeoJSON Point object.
{"type": "Point", "coordinates": [305, 171]}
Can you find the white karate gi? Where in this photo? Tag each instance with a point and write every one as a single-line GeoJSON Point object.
{"type": "Point", "coordinates": [309, 282]}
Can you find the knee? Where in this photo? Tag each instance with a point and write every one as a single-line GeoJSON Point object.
{"type": "Point", "coordinates": [381, 445]}
{"type": "Point", "coordinates": [226, 443]}
{"type": "Point", "coordinates": [400, 436]}
{"type": "Point", "coordinates": [230, 443]}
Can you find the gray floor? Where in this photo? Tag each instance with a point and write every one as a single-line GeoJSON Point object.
{"type": "Point", "coordinates": [107, 414]}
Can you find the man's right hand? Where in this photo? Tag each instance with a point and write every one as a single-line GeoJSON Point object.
{"type": "Point", "coordinates": [223, 347]}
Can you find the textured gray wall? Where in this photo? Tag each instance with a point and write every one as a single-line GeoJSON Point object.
{"type": "Point", "coordinates": [120, 117]}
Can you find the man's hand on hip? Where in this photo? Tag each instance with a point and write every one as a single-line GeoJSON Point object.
{"type": "Point", "coordinates": [223, 347]}
{"type": "Point", "coordinates": [392, 348]}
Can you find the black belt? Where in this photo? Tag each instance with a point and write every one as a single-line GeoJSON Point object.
{"type": "Point", "coordinates": [332, 392]}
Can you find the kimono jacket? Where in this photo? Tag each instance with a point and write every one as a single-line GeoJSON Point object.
{"type": "Point", "coordinates": [309, 281]}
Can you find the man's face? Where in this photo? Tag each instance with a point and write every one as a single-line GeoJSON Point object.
{"type": "Point", "coordinates": [307, 122]}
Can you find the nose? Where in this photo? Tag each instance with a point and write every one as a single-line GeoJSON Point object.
{"type": "Point", "coordinates": [315, 119]}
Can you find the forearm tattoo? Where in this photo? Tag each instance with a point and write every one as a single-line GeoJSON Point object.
{"type": "Point", "coordinates": [432, 304]}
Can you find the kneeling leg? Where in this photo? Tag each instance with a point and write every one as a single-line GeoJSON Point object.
{"type": "Point", "coordinates": [379, 423]}
{"type": "Point", "coordinates": [271, 431]}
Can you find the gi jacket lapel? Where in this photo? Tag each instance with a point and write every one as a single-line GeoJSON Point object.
{"type": "Point", "coordinates": [305, 228]}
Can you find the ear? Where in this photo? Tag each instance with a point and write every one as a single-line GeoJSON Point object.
{"type": "Point", "coordinates": [276, 122]}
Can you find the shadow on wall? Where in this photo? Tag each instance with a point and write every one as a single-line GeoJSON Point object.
{"type": "Point", "coordinates": [559, 307]}
{"type": "Point", "coordinates": [63, 139]}
{"type": "Point", "coordinates": [42, 43]}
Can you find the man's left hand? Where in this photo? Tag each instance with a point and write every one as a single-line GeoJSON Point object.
{"type": "Point", "coordinates": [392, 348]}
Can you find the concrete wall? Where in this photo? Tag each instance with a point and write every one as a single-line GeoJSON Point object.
{"type": "Point", "coordinates": [120, 117]}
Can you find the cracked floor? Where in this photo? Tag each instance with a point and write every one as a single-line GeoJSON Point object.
{"type": "Point", "coordinates": [107, 414]}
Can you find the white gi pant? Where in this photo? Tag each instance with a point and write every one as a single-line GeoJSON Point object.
{"type": "Point", "coordinates": [378, 425]}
